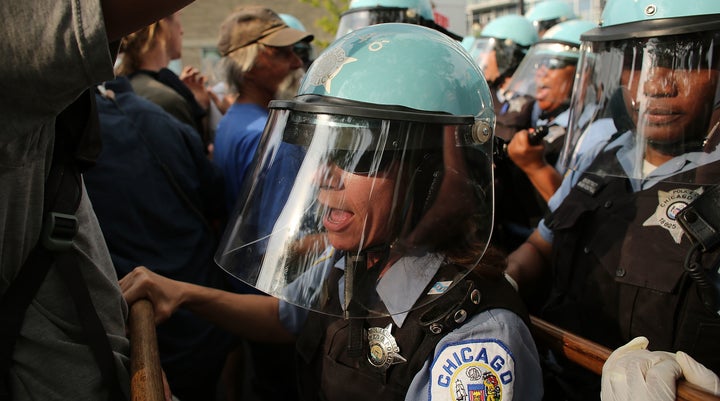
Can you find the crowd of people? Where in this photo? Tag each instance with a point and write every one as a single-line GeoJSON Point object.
{"type": "Point", "coordinates": [378, 220]}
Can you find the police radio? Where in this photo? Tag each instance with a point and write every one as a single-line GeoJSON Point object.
{"type": "Point", "coordinates": [700, 220]}
{"type": "Point", "coordinates": [535, 137]}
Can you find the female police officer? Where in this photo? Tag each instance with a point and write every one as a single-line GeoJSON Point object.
{"type": "Point", "coordinates": [382, 236]}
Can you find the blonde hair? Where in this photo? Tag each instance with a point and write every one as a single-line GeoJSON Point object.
{"type": "Point", "coordinates": [136, 45]}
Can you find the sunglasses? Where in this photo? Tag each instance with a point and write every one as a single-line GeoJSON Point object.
{"type": "Point", "coordinates": [364, 162]}
{"type": "Point", "coordinates": [555, 63]}
{"type": "Point", "coordinates": [695, 52]}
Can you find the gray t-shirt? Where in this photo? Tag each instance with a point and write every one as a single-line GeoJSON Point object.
{"type": "Point", "coordinates": [51, 52]}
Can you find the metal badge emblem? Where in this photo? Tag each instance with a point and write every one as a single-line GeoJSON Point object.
{"type": "Point", "coordinates": [329, 65]}
{"type": "Point", "coordinates": [384, 351]}
{"type": "Point", "coordinates": [669, 205]}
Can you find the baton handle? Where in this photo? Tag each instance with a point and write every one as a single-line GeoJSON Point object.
{"type": "Point", "coordinates": [592, 356]}
{"type": "Point", "coordinates": [146, 383]}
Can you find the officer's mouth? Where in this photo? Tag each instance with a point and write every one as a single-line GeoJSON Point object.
{"type": "Point", "coordinates": [659, 116]}
{"type": "Point", "coordinates": [337, 219]}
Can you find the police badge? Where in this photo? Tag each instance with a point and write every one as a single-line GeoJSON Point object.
{"type": "Point", "coordinates": [670, 203]}
{"type": "Point", "coordinates": [384, 351]}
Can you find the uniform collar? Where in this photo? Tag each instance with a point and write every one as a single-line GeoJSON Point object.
{"type": "Point", "coordinates": [401, 286]}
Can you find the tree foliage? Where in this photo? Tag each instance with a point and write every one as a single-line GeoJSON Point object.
{"type": "Point", "coordinates": [328, 23]}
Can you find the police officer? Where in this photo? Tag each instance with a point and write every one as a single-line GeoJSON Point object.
{"type": "Point", "coordinates": [499, 50]}
{"type": "Point", "coordinates": [548, 71]}
{"type": "Point", "coordinates": [378, 264]}
{"type": "Point", "coordinates": [617, 249]}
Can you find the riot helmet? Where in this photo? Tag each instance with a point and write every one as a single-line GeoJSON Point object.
{"type": "Point", "coordinates": [548, 13]}
{"type": "Point", "coordinates": [649, 83]}
{"type": "Point", "coordinates": [548, 70]}
{"type": "Point", "coordinates": [370, 12]}
{"type": "Point", "coordinates": [501, 46]}
{"type": "Point", "coordinates": [388, 152]}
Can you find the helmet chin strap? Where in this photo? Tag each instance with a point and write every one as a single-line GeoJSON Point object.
{"type": "Point", "coordinates": [359, 278]}
{"type": "Point", "coordinates": [676, 148]}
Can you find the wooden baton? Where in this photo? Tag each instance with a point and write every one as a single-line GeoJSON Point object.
{"type": "Point", "coordinates": [592, 356]}
{"type": "Point", "coordinates": [146, 383]}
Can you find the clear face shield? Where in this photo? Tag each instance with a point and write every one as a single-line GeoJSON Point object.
{"type": "Point", "coordinates": [482, 52]}
{"type": "Point", "coordinates": [361, 17]}
{"type": "Point", "coordinates": [386, 201]}
{"type": "Point", "coordinates": [547, 70]}
{"type": "Point", "coordinates": [656, 98]}
{"type": "Point", "coordinates": [494, 56]}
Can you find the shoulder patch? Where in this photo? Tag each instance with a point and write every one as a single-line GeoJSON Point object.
{"type": "Point", "coordinates": [473, 370]}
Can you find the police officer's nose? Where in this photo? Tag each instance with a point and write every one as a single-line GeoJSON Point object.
{"type": "Point", "coordinates": [660, 82]}
{"type": "Point", "coordinates": [329, 176]}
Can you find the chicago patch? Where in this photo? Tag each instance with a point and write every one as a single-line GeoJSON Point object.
{"type": "Point", "coordinates": [473, 370]}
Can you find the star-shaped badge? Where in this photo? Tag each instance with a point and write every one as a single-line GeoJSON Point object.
{"type": "Point", "coordinates": [516, 104]}
{"type": "Point", "coordinates": [669, 205]}
{"type": "Point", "coordinates": [328, 66]}
{"type": "Point", "coordinates": [384, 351]}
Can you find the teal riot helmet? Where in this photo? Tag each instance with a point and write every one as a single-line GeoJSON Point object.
{"type": "Point", "coordinates": [547, 72]}
{"type": "Point", "coordinates": [501, 46]}
{"type": "Point", "coordinates": [292, 22]}
{"type": "Point", "coordinates": [363, 13]}
{"type": "Point", "coordinates": [649, 88]}
{"type": "Point", "coordinates": [380, 167]}
{"type": "Point", "coordinates": [545, 14]}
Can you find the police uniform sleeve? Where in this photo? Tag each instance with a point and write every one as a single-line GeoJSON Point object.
{"type": "Point", "coordinates": [493, 354]}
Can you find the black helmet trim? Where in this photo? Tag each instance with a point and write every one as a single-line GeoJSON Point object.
{"type": "Point", "coordinates": [562, 42]}
{"type": "Point", "coordinates": [654, 27]}
{"type": "Point", "coordinates": [417, 19]}
{"type": "Point", "coordinates": [506, 42]}
{"type": "Point", "coordinates": [375, 9]}
{"type": "Point", "coordinates": [434, 25]}
{"type": "Point", "coordinates": [337, 106]}
{"type": "Point", "coordinates": [545, 24]}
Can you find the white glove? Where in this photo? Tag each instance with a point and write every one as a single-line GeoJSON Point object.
{"type": "Point", "coordinates": [698, 374]}
{"type": "Point", "coordinates": [634, 373]}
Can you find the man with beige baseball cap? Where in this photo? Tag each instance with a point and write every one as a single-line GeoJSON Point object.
{"type": "Point", "coordinates": [258, 58]}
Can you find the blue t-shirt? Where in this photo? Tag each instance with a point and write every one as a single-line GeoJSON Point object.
{"type": "Point", "coordinates": [236, 140]}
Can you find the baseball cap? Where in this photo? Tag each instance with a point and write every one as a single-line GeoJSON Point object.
{"type": "Point", "coordinates": [254, 23]}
